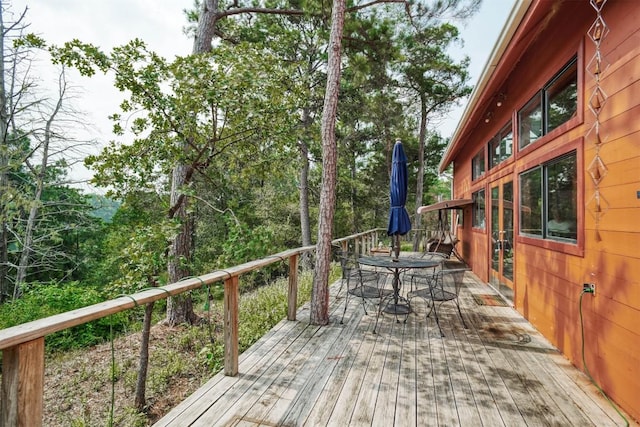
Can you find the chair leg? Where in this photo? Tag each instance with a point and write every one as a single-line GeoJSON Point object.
{"type": "Point", "coordinates": [346, 301]}
{"type": "Point", "coordinates": [375, 327]}
{"type": "Point", "coordinates": [435, 312]}
{"type": "Point", "coordinates": [461, 318]}
{"type": "Point", "coordinates": [379, 312]}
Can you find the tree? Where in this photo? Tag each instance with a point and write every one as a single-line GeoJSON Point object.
{"type": "Point", "coordinates": [201, 124]}
{"type": "Point", "coordinates": [35, 153]}
{"type": "Point", "coordinates": [435, 81]}
{"type": "Point", "coordinates": [320, 293]}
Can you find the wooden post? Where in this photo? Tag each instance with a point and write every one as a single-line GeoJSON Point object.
{"type": "Point", "coordinates": [23, 384]}
{"type": "Point", "coordinates": [292, 303]}
{"type": "Point", "coordinates": [231, 326]}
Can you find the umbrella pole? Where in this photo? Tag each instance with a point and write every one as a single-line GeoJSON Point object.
{"type": "Point", "coordinates": [396, 246]}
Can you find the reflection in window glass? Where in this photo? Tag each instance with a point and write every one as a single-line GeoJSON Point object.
{"type": "Point", "coordinates": [530, 119]}
{"type": "Point", "coordinates": [554, 105]}
{"type": "Point", "coordinates": [501, 146]}
{"type": "Point", "coordinates": [562, 218]}
{"type": "Point", "coordinates": [477, 165]}
{"type": "Point", "coordinates": [548, 199]}
{"type": "Point", "coordinates": [531, 202]}
{"type": "Point", "coordinates": [478, 209]}
{"type": "Point", "coordinates": [562, 97]}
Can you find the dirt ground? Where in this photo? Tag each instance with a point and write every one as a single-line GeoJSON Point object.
{"type": "Point", "coordinates": [79, 390]}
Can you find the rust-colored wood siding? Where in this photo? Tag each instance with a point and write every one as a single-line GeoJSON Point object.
{"type": "Point", "coordinates": [548, 276]}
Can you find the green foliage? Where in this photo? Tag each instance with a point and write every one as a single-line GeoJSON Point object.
{"type": "Point", "coordinates": [262, 309]}
{"type": "Point", "coordinates": [134, 246]}
{"type": "Point", "coordinates": [104, 207]}
{"type": "Point", "coordinates": [142, 259]}
{"type": "Point", "coordinates": [29, 40]}
{"type": "Point", "coordinates": [41, 301]}
{"type": "Point", "coordinates": [244, 244]}
{"type": "Point", "coordinates": [228, 98]}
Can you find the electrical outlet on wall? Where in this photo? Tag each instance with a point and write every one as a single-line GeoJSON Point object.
{"type": "Point", "coordinates": [589, 288]}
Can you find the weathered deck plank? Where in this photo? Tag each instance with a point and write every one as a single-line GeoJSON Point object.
{"type": "Point", "coordinates": [499, 371]}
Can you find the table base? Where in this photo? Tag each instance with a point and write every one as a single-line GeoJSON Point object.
{"type": "Point", "coordinates": [397, 308]}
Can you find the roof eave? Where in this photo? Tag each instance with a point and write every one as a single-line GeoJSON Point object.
{"type": "Point", "coordinates": [518, 11]}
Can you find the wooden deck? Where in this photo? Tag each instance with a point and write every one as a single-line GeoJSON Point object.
{"type": "Point", "coordinates": [498, 372]}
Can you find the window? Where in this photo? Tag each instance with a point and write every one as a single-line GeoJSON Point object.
{"type": "Point", "coordinates": [555, 104]}
{"type": "Point", "coordinates": [501, 146]}
{"type": "Point", "coordinates": [478, 209]}
{"type": "Point", "coordinates": [530, 119]}
{"type": "Point", "coordinates": [477, 165]}
{"type": "Point", "coordinates": [548, 200]}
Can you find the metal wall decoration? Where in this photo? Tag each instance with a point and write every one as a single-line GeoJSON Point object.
{"type": "Point", "coordinates": [597, 205]}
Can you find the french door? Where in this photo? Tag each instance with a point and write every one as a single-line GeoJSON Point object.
{"type": "Point", "coordinates": [501, 253]}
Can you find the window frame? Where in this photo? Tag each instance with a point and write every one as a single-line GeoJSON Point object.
{"type": "Point", "coordinates": [572, 247]}
{"type": "Point", "coordinates": [541, 102]}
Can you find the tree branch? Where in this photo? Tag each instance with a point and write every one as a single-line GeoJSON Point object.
{"type": "Point", "coordinates": [241, 10]}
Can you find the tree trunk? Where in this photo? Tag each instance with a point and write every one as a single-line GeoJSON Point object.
{"type": "Point", "coordinates": [23, 265]}
{"type": "Point", "coordinates": [180, 308]}
{"type": "Point", "coordinates": [320, 295]}
{"type": "Point", "coordinates": [305, 222]}
{"type": "Point", "coordinates": [141, 384]}
{"type": "Point", "coordinates": [353, 172]}
{"type": "Point", "coordinates": [4, 163]}
{"type": "Point", "coordinates": [420, 178]}
{"type": "Point", "coordinates": [305, 225]}
{"type": "Point", "coordinates": [206, 27]}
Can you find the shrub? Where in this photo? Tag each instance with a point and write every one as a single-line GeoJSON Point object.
{"type": "Point", "coordinates": [46, 300]}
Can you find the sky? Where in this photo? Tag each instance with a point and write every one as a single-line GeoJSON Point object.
{"type": "Point", "coordinates": [110, 23]}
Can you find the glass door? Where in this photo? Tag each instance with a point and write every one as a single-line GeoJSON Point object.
{"type": "Point", "coordinates": [502, 237]}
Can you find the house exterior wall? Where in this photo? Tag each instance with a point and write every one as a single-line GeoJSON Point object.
{"type": "Point", "coordinates": [548, 274]}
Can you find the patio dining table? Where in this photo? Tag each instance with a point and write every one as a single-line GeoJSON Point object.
{"type": "Point", "coordinates": [400, 305]}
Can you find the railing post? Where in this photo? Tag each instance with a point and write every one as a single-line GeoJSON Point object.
{"type": "Point", "coordinates": [23, 384]}
{"type": "Point", "coordinates": [292, 303]}
{"type": "Point", "coordinates": [231, 326]}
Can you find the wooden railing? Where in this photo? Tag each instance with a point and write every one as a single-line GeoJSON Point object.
{"type": "Point", "coordinates": [23, 345]}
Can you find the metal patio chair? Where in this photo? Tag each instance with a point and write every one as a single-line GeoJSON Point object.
{"type": "Point", "coordinates": [444, 286]}
{"type": "Point", "coordinates": [365, 284]}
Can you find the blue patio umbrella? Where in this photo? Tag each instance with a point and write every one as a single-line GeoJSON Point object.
{"type": "Point", "coordinates": [399, 221]}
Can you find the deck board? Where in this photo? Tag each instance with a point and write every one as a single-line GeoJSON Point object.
{"type": "Point", "coordinates": [497, 372]}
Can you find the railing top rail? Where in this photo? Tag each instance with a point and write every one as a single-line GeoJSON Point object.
{"type": "Point", "coordinates": [353, 236]}
{"type": "Point", "coordinates": [25, 332]}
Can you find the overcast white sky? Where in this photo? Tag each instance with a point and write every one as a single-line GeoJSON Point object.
{"type": "Point", "coordinates": [159, 23]}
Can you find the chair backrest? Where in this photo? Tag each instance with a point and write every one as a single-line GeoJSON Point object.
{"type": "Point", "coordinates": [452, 280]}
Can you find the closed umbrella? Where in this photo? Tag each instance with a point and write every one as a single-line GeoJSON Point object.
{"type": "Point", "coordinates": [399, 221]}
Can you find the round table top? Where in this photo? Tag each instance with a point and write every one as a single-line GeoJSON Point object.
{"type": "Point", "coordinates": [390, 262]}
